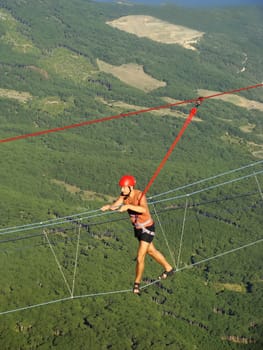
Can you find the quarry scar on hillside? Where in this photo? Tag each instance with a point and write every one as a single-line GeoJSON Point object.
{"type": "Point", "coordinates": [158, 30]}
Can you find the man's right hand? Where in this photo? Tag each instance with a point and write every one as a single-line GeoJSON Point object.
{"type": "Point", "coordinates": [105, 207]}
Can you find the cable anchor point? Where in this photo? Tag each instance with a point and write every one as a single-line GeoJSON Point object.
{"type": "Point", "coordinates": [199, 101]}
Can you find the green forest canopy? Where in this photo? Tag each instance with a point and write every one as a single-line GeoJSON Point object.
{"type": "Point", "coordinates": [48, 62]}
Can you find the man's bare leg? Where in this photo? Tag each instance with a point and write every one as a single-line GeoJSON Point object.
{"type": "Point", "coordinates": [149, 248]}
{"type": "Point", "coordinates": [141, 253]}
{"type": "Point", "coordinates": [158, 257]}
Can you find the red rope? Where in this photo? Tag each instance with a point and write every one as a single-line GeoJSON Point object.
{"type": "Point", "coordinates": [187, 122]}
{"type": "Point", "coordinates": [89, 122]}
{"type": "Point", "coordinates": [180, 134]}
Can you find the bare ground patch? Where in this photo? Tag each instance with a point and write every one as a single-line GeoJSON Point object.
{"type": "Point", "coordinates": [157, 30]}
{"type": "Point", "coordinates": [256, 149]}
{"type": "Point", "coordinates": [84, 194]}
{"type": "Point", "coordinates": [17, 95]}
{"type": "Point", "coordinates": [120, 106]}
{"type": "Point", "coordinates": [41, 71]}
{"type": "Point", "coordinates": [132, 74]}
{"type": "Point", "coordinates": [248, 128]}
{"type": "Point", "coordinates": [238, 340]}
{"type": "Point", "coordinates": [234, 287]}
{"type": "Point", "coordinates": [235, 99]}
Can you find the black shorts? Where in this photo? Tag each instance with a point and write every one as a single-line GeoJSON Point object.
{"type": "Point", "coordinates": [144, 236]}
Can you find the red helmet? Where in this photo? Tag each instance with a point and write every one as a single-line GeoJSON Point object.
{"type": "Point", "coordinates": [127, 180]}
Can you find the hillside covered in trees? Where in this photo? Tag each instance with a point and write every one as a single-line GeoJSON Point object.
{"type": "Point", "coordinates": [67, 62]}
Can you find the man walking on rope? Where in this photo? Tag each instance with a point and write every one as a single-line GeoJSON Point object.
{"type": "Point", "coordinates": [135, 203]}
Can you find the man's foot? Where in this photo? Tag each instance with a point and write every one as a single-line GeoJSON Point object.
{"type": "Point", "coordinates": [166, 274]}
{"type": "Point", "coordinates": [136, 288]}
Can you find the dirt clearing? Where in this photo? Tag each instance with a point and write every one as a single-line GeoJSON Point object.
{"type": "Point", "coordinates": [132, 74]}
{"type": "Point", "coordinates": [158, 30]}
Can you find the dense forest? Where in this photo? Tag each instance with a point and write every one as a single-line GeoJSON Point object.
{"type": "Point", "coordinates": [68, 268]}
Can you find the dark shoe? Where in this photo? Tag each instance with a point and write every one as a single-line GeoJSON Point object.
{"type": "Point", "coordinates": [136, 288]}
{"type": "Point", "coordinates": [166, 274]}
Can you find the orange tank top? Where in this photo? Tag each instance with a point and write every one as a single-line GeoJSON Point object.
{"type": "Point", "coordinates": [139, 220]}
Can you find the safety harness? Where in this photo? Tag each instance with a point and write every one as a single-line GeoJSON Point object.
{"type": "Point", "coordinates": [142, 226]}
